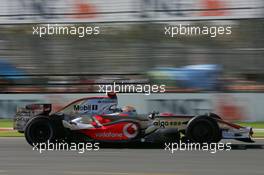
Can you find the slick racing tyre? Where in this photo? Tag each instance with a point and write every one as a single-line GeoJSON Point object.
{"type": "Point", "coordinates": [203, 129]}
{"type": "Point", "coordinates": [39, 130]}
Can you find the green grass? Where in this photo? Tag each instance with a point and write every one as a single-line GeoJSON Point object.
{"type": "Point", "coordinates": [6, 123]}
{"type": "Point", "coordinates": [252, 124]}
{"type": "Point", "coordinates": [258, 135]}
{"type": "Point", "coordinates": [11, 134]}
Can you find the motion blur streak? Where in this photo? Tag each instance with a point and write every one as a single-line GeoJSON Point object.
{"type": "Point", "coordinates": [132, 47]}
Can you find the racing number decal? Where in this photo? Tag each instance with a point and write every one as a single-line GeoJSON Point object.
{"type": "Point", "coordinates": [130, 130]}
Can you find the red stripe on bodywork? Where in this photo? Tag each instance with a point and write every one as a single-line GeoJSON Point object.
{"type": "Point", "coordinates": [230, 124]}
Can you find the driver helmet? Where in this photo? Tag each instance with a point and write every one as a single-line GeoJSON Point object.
{"type": "Point", "coordinates": [129, 109]}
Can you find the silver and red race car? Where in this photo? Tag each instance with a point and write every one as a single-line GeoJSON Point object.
{"type": "Point", "coordinates": [99, 119]}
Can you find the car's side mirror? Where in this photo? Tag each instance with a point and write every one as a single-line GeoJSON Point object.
{"type": "Point", "coordinates": [153, 114]}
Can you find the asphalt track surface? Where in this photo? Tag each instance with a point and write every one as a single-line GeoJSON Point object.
{"type": "Point", "coordinates": [18, 158]}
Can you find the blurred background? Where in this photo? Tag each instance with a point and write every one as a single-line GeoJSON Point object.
{"type": "Point", "coordinates": [131, 47]}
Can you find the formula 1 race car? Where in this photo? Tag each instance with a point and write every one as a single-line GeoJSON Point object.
{"type": "Point", "coordinates": [97, 119]}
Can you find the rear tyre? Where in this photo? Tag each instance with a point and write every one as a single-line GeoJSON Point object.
{"type": "Point", "coordinates": [39, 130]}
{"type": "Point", "coordinates": [203, 129]}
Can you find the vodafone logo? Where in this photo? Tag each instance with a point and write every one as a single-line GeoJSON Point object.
{"type": "Point", "coordinates": [130, 130]}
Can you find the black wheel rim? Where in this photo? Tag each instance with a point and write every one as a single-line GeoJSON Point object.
{"type": "Point", "coordinates": [40, 132]}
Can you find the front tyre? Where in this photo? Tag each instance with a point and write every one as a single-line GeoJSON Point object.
{"type": "Point", "coordinates": [39, 130]}
{"type": "Point", "coordinates": [203, 129]}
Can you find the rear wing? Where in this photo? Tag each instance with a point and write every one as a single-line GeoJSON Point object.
{"type": "Point", "coordinates": [23, 115]}
{"type": "Point", "coordinates": [39, 108]}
